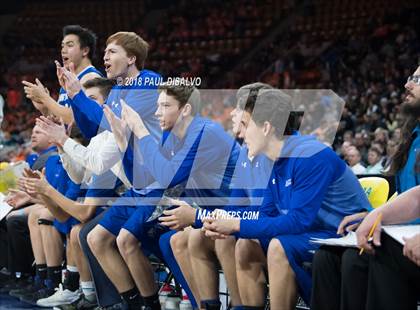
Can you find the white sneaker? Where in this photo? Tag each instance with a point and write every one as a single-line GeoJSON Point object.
{"type": "Point", "coordinates": [60, 297]}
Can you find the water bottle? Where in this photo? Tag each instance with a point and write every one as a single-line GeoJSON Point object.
{"type": "Point", "coordinates": [185, 303]}
{"type": "Point", "coordinates": [163, 295]}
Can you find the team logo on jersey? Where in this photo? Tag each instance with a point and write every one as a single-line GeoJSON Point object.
{"type": "Point", "coordinates": [63, 97]}
{"type": "Point", "coordinates": [288, 182]}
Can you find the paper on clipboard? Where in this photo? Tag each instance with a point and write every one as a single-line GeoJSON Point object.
{"type": "Point", "coordinates": [397, 232]}
{"type": "Point", "coordinates": [348, 240]}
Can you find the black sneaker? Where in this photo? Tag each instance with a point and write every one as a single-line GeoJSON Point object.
{"type": "Point", "coordinates": [4, 278]}
{"type": "Point", "coordinates": [32, 298]}
{"type": "Point", "coordinates": [15, 283]}
{"type": "Point", "coordinates": [119, 306]}
{"type": "Point", "coordinates": [29, 289]}
{"type": "Point", "coordinates": [81, 304]}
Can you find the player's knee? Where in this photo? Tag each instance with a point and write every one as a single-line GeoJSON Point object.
{"type": "Point", "coordinates": [97, 241]}
{"type": "Point", "coordinates": [74, 235]}
{"type": "Point", "coordinates": [243, 252]}
{"type": "Point", "coordinates": [33, 219]}
{"type": "Point", "coordinates": [225, 246]}
{"type": "Point", "coordinates": [196, 242]}
{"type": "Point", "coordinates": [179, 243]}
{"type": "Point", "coordinates": [276, 256]}
{"type": "Point", "coordinates": [127, 243]}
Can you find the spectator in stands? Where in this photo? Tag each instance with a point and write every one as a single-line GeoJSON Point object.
{"type": "Point", "coordinates": [391, 149]}
{"type": "Point", "coordinates": [344, 149]}
{"type": "Point", "coordinates": [375, 161]}
{"type": "Point", "coordinates": [354, 160]}
{"type": "Point", "coordinates": [360, 142]}
{"type": "Point", "coordinates": [381, 136]}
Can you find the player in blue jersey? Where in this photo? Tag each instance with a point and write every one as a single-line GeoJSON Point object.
{"type": "Point", "coordinates": [309, 192]}
{"type": "Point", "coordinates": [77, 51]}
{"type": "Point", "coordinates": [101, 191]}
{"type": "Point", "coordinates": [199, 256]}
{"type": "Point", "coordinates": [46, 240]}
{"type": "Point", "coordinates": [192, 154]}
{"type": "Point", "coordinates": [124, 59]}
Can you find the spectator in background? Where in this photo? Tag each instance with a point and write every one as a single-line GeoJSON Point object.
{"type": "Point", "coordinates": [353, 159]}
{"type": "Point", "coordinates": [348, 136]}
{"type": "Point", "coordinates": [360, 144]}
{"type": "Point", "coordinates": [374, 160]}
{"type": "Point", "coordinates": [1, 109]}
{"type": "Point", "coordinates": [391, 148]}
{"type": "Point", "coordinates": [381, 136]}
{"type": "Point", "coordinates": [344, 149]}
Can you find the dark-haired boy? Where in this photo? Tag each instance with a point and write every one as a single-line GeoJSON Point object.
{"type": "Point", "coordinates": [77, 51]}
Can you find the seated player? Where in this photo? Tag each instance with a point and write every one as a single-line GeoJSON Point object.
{"type": "Point", "coordinates": [199, 256]}
{"type": "Point", "coordinates": [124, 59]}
{"type": "Point", "coordinates": [310, 190]}
{"type": "Point", "coordinates": [47, 242]}
{"type": "Point", "coordinates": [77, 51]}
{"type": "Point", "coordinates": [187, 153]}
{"type": "Point", "coordinates": [101, 189]}
{"type": "Point", "coordinates": [20, 256]}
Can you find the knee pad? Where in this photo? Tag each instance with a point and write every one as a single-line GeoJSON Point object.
{"type": "Point", "coordinates": [211, 304]}
{"type": "Point", "coordinates": [45, 222]}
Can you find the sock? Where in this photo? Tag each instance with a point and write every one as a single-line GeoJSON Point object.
{"type": "Point", "coordinates": [211, 304]}
{"type": "Point", "coordinates": [41, 271]}
{"type": "Point", "coordinates": [71, 280]}
{"type": "Point", "coordinates": [88, 290]}
{"type": "Point", "coordinates": [132, 298]}
{"type": "Point", "coordinates": [248, 308]}
{"type": "Point", "coordinates": [54, 276]}
{"type": "Point", "coordinates": [40, 274]}
{"type": "Point", "coordinates": [152, 302]}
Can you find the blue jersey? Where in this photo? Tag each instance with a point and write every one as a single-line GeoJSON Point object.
{"type": "Point", "coordinates": [141, 97]}
{"type": "Point", "coordinates": [248, 184]}
{"type": "Point", "coordinates": [203, 161]}
{"type": "Point", "coordinates": [58, 178]}
{"type": "Point", "coordinates": [306, 193]}
{"type": "Point", "coordinates": [63, 98]}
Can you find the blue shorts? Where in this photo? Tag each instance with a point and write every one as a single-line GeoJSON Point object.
{"type": "Point", "coordinates": [65, 227]}
{"type": "Point", "coordinates": [299, 251]}
{"type": "Point", "coordinates": [134, 219]}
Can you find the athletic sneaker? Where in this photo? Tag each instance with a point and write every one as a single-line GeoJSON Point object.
{"type": "Point", "coordinates": [32, 298]}
{"type": "Point", "coordinates": [81, 304]}
{"type": "Point", "coordinates": [60, 297]}
{"type": "Point", "coordinates": [29, 289]}
{"type": "Point", "coordinates": [119, 306]}
{"type": "Point", "coordinates": [14, 283]}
